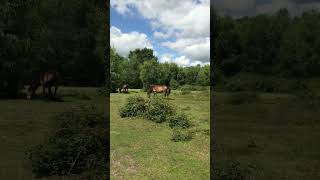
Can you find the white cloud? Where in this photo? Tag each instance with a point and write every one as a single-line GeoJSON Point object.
{"type": "Point", "coordinates": [187, 17]}
{"type": "Point", "coordinates": [160, 35]}
{"type": "Point", "coordinates": [125, 42]}
{"type": "Point", "coordinates": [181, 60]}
{"type": "Point", "coordinates": [197, 49]}
{"type": "Point", "coordinates": [166, 58]}
{"type": "Point", "coordinates": [180, 20]}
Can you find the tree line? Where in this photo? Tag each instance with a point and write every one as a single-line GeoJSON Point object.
{"type": "Point", "coordinates": [68, 36]}
{"type": "Point", "coordinates": [268, 44]}
{"type": "Point", "coordinates": [141, 68]}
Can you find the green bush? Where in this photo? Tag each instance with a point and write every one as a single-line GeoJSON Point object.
{"type": "Point", "coordinates": [242, 97]}
{"type": "Point", "coordinates": [155, 109]}
{"type": "Point", "coordinates": [179, 121]}
{"type": "Point", "coordinates": [135, 106]}
{"type": "Point", "coordinates": [77, 146]}
{"type": "Point", "coordinates": [181, 135]}
{"type": "Point", "coordinates": [232, 170]}
{"type": "Point", "coordinates": [158, 110]}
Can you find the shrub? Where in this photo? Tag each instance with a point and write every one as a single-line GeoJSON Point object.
{"type": "Point", "coordinates": [232, 171]}
{"type": "Point", "coordinates": [242, 97]}
{"type": "Point", "coordinates": [158, 110]}
{"type": "Point", "coordinates": [135, 106]}
{"type": "Point", "coordinates": [181, 135]}
{"type": "Point", "coordinates": [179, 121]}
{"type": "Point", "coordinates": [78, 145]}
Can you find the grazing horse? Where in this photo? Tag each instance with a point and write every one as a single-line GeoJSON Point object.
{"type": "Point", "coordinates": [155, 88]}
{"type": "Point", "coordinates": [125, 88]}
{"type": "Point", "coordinates": [47, 81]}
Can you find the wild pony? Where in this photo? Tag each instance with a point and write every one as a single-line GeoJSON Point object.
{"type": "Point", "coordinates": [124, 88]}
{"type": "Point", "coordinates": [47, 80]}
{"type": "Point", "coordinates": [157, 88]}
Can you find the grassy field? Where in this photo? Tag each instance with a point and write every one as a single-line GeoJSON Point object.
{"type": "Point", "coordinates": [277, 134]}
{"type": "Point", "coordinates": [25, 123]}
{"type": "Point", "coordinates": [142, 149]}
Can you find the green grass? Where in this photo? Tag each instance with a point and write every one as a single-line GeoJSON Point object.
{"type": "Point", "coordinates": [25, 123]}
{"type": "Point", "coordinates": [142, 149]}
{"type": "Point", "coordinates": [284, 129]}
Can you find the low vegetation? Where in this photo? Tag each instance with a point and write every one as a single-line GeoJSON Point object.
{"type": "Point", "coordinates": [181, 135]}
{"type": "Point", "coordinates": [41, 136]}
{"type": "Point", "coordinates": [158, 110]}
{"type": "Point", "coordinates": [135, 106]}
{"type": "Point", "coordinates": [142, 148]}
{"type": "Point", "coordinates": [179, 121]}
{"type": "Point", "coordinates": [77, 146]}
{"type": "Point", "coordinates": [231, 170]}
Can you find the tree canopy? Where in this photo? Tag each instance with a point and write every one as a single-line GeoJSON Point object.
{"type": "Point", "coordinates": [64, 35]}
{"type": "Point", "coordinates": [269, 44]}
{"type": "Point", "coordinates": [141, 68]}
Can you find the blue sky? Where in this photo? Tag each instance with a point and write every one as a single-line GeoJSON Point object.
{"type": "Point", "coordinates": [136, 22]}
{"type": "Point", "coordinates": [177, 31]}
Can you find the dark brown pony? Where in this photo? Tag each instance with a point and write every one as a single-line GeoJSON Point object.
{"type": "Point", "coordinates": [124, 88]}
{"type": "Point", "coordinates": [156, 88]}
{"type": "Point", "coordinates": [47, 80]}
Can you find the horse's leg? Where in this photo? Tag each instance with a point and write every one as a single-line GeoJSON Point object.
{"type": "Point", "coordinates": [55, 90]}
{"type": "Point", "coordinates": [50, 92]}
{"type": "Point", "coordinates": [43, 90]}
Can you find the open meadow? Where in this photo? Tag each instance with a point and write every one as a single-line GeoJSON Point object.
{"type": "Point", "coordinates": [267, 135]}
{"type": "Point", "coordinates": [26, 123]}
{"type": "Point", "coordinates": [143, 149]}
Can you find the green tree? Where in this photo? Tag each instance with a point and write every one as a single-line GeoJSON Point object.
{"type": "Point", "coordinates": [149, 73]}
{"type": "Point", "coordinates": [203, 78]}
{"type": "Point", "coordinates": [115, 66]}
{"type": "Point", "coordinates": [136, 60]}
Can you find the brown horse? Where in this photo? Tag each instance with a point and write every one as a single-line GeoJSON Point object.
{"type": "Point", "coordinates": [47, 80]}
{"type": "Point", "coordinates": [156, 88]}
{"type": "Point", "coordinates": [125, 88]}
